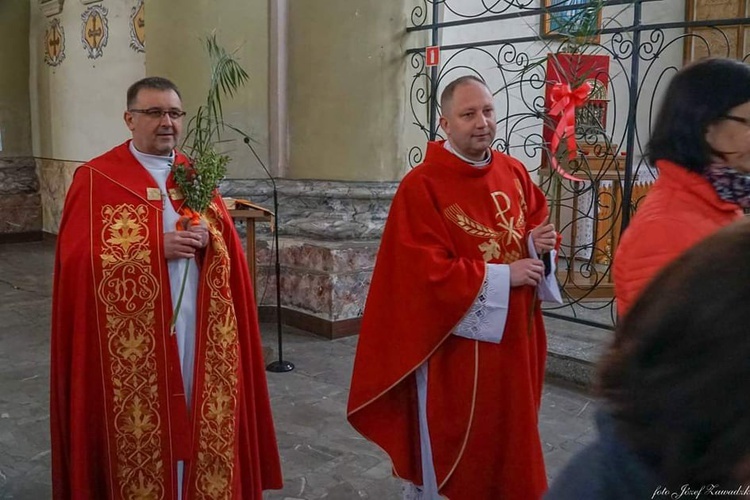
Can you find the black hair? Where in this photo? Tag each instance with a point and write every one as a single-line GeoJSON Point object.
{"type": "Point", "coordinates": [150, 82]}
{"type": "Point", "coordinates": [674, 378]}
{"type": "Point", "coordinates": [699, 94]}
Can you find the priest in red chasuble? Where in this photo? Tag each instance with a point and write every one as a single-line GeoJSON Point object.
{"type": "Point", "coordinates": [450, 362]}
{"type": "Point", "coordinates": [140, 408]}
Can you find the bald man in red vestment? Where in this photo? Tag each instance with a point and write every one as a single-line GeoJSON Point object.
{"type": "Point", "coordinates": [450, 362]}
{"type": "Point", "coordinates": [141, 409]}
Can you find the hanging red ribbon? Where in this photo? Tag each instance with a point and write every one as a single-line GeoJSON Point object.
{"type": "Point", "coordinates": [564, 103]}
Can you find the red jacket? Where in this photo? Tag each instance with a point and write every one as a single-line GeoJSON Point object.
{"type": "Point", "coordinates": [681, 209]}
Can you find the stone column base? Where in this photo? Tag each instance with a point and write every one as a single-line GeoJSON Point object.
{"type": "Point", "coordinates": [329, 234]}
{"type": "Point", "coordinates": [20, 201]}
{"type": "Point", "coordinates": [324, 284]}
{"type": "Point", "coordinates": [321, 327]}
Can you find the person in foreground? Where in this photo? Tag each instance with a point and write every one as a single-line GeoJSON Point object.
{"type": "Point", "coordinates": [450, 362]}
{"type": "Point", "coordinates": [701, 147]}
{"type": "Point", "coordinates": [138, 408]}
{"type": "Point", "coordinates": [674, 418]}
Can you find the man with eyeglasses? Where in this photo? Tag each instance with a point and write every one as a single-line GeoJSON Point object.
{"type": "Point", "coordinates": [142, 408]}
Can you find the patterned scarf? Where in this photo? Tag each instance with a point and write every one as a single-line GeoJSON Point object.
{"type": "Point", "coordinates": [731, 185]}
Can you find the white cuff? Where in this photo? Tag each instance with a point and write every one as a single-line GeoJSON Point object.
{"type": "Point", "coordinates": [485, 320]}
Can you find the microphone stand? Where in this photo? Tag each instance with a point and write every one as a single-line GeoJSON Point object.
{"type": "Point", "coordinates": [278, 366]}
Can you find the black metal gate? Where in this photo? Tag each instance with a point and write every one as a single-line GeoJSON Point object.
{"type": "Point", "coordinates": [642, 56]}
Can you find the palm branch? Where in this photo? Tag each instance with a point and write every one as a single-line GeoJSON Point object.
{"type": "Point", "coordinates": [199, 181]}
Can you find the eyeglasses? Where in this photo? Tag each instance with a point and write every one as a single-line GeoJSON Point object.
{"type": "Point", "coordinates": [158, 114]}
{"type": "Point", "coordinates": [744, 121]}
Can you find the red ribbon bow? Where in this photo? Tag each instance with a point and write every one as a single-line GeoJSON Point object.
{"type": "Point", "coordinates": [564, 103]}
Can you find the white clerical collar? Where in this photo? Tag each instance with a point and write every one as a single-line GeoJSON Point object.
{"type": "Point", "coordinates": [152, 161]}
{"type": "Point", "coordinates": [479, 164]}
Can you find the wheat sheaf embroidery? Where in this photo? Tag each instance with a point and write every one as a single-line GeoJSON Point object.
{"type": "Point", "coordinates": [455, 214]}
{"type": "Point", "coordinates": [498, 243]}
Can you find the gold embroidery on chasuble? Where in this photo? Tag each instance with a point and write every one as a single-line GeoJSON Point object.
{"type": "Point", "coordinates": [216, 453]}
{"type": "Point", "coordinates": [129, 292]}
{"type": "Point", "coordinates": [505, 242]}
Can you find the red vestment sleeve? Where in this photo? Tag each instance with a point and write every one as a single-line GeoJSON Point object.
{"type": "Point", "coordinates": [420, 290]}
{"type": "Point", "coordinates": [75, 416]}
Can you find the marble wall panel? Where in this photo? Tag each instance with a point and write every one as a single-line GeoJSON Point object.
{"type": "Point", "coordinates": [349, 293]}
{"type": "Point", "coordinates": [322, 256]}
{"type": "Point", "coordinates": [325, 210]}
{"type": "Point", "coordinates": [356, 257]}
{"type": "Point", "coordinates": [20, 213]}
{"type": "Point", "coordinates": [54, 180]}
{"type": "Point", "coordinates": [20, 203]}
{"type": "Point", "coordinates": [18, 175]}
{"type": "Point", "coordinates": [333, 297]}
{"type": "Point", "coordinates": [327, 279]}
{"type": "Point", "coordinates": [329, 238]}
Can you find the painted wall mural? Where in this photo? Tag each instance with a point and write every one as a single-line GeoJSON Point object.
{"type": "Point", "coordinates": [138, 27]}
{"type": "Point", "coordinates": [54, 43]}
{"type": "Point", "coordinates": [95, 31]}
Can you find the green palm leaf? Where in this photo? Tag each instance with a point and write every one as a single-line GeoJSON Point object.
{"type": "Point", "coordinates": [199, 181]}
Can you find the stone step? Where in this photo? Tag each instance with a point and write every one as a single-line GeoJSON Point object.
{"type": "Point", "coordinates": [573, 351]}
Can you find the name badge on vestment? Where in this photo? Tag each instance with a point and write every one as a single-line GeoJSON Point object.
{"type": "Point", "coordinates": [153, 194]}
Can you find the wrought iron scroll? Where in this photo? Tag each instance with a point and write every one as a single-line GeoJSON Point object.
{"type": "Point", "coordinates": [597, 210]}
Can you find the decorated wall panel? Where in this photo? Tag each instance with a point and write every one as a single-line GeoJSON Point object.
{"type": "Point", "coordinates": [82, 62]}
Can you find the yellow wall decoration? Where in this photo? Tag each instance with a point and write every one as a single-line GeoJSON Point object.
{"type": "Point", "coordinates": [95, 31]}
{"type": "Point", "coordinates": [54, 43]}
{"type": "Point", "coordinates": [138, 27]}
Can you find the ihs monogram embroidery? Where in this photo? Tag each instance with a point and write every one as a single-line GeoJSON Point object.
{"type": "Point", "coordinates": [506, 241]}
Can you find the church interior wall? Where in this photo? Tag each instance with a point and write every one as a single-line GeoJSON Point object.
{"type": "Point", "coordinates": [347, 81]}
{"type": "Point", "coordinates": [15, 113]}
{"type": "Point", "coordinates": [176, 51]}
{"type": "Point", "coordinates": [78, 99]}
{"type": "Point", "coordinates": [20, 201]}
{"type": "Point", "coordinates": [330, 106]}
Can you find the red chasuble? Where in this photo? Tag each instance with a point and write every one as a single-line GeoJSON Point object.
{"type": "Point", "coordinates": [118, 415]}
{"type": "Point", "coordinates": [447, 220]}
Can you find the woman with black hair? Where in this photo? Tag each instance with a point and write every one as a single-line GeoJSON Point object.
{"type": "Point", "coordinates": [675, 421]}
{"type": "Point", "coordinates": [701, 147]}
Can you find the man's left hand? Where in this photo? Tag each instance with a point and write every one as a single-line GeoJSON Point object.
{"type": "Point", "coordinates": [544, 237]}
{"type": "Point", "coordinates": [201, 231]}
